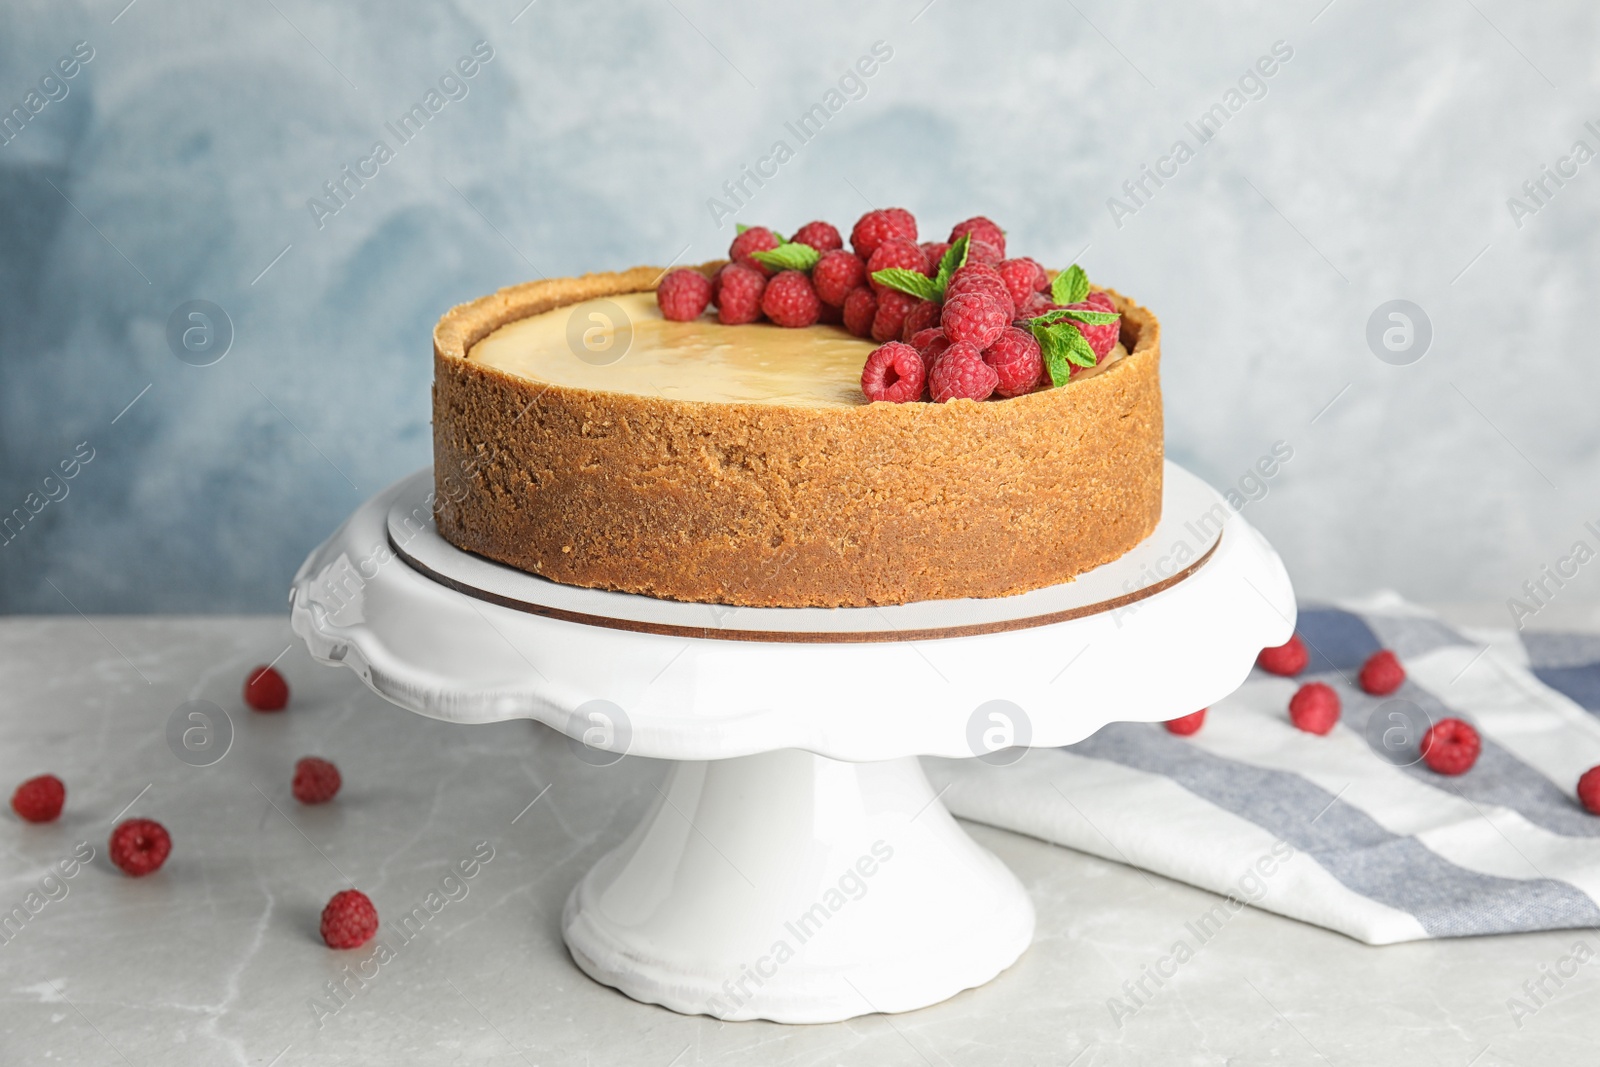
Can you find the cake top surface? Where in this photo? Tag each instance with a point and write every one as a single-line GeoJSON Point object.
{"type": "Point", "coordinates": [589, 345]}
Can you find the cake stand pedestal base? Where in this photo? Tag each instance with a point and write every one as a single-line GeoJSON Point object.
{"type": "Point", "coordinates": [796, 888]}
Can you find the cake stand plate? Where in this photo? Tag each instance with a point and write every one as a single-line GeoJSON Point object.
{"type": "Point", "coordinates": [796, 865]}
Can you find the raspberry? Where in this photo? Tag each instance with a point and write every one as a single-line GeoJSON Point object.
{"type": "Point", "coordinates": [1185, 725]}
{"type": "Point", "coordinates": [978, 277]}
{"type": "Point", "coordinates": [1024, 278]}
{"type": "Point", "coordinates": [960, 374]}
{"type": "Point", "coordinates": [983, 253]}
{"type": "Point", "coordinates": [716, 283]}
{"type": "Point", "coordinates": [922, 318]}
{"type": "Point", "coordinates": [1287, 659]}
{"type": "Point", "coordinates": [1101, 338]}
{"type": "Point", "coordinates": [739, 297]}
{"type": "Point", "coordinates": [893, 307]}
{"type": "Point", "coordinates": [1315, 708]}
{"type": "Point", "coordinates": [1015, 357]}
{"type": "Point", "coordinates": [755, 239]}
{"type": "Point", "coordinates": [823, 236]}
{"type": "Point", "coordinates": [975, 317]}
{"type": "Point", "coordinates": [39, 799]}
{"type": "Point", "coordinates": [1033, 307]}
{"type": "Point", "coordinates": [896, 253]}
{"type": "Point", "coordinates": [139, 846]}
{"type": "Point", "coordinates": [1589, 790]}
{"type": "Point", "coordinates": [790, 301]}
{"type": "Point", "coordinates": [830, 315]}
{"type": "Point", "coordinates": [860, 308]}
{"type": "Point", "coordinates": [935, 348]}
{"type": "Point", "coordinates": [265, 690]}
{"type": "Point", "coordinates": [1382, 674]}
{"type": "Point", "coordinates": [982, 230]}
{"type": "Point", "coordinates": [935, 251]}
{"type": "Point", "coordinates": [835, 274]}
{"type": "Point", "coordinates": [893, 373]}
{"type": "Point", "coordinates": [349, 920]}
{"type": "Point", "coordinates": [876, 227]}
{"type": "Point", "coordinates": [683, 295]}
{"type": "Point", "coordinates": [923, 338]}
{"type": "Point", "coordinates": [1451, 747]}
{"type": "Point", "coordinates": [315, 780]}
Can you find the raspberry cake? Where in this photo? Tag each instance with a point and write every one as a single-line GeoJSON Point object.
{"type": "Point", "coordinates": [878, 424]}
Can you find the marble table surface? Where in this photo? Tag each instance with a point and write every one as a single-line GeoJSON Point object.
{"type": "Point", "coordinates": [216, 959]}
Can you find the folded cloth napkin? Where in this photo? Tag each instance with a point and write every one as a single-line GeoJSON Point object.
{"type": "Point", "coordinates": [1351, 831]}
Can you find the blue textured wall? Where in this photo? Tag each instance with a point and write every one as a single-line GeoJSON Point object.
{"type": "Point", "coordinates": [1378, 164]}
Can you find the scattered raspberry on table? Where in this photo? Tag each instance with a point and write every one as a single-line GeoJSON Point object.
{"type": "Point", "coordinates": [1451, 746]}
{"type": "Point", "coordinates": [316, 780]}
{"type": "Point", "coordinates": [349, 920]}
{"type": "Point", "coordinates": [139, 846]}
{"type": "Point", "coordinates": [40, 799]}
{"type": "Point", "coordinates": [265, 690]}
{"type": "Point", "coordinates": [1589, 790]}
{"type": "Point", "coordinates": [1184, 725]}
{"type": "Point", "coordinates": [1382, 674]}
{"type": "Point", "coordinates": [1315, 708]}
{"type": "Point", "coordinates": [1287, 659]}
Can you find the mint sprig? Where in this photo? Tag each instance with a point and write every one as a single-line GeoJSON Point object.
{"type": "Point", "coordinates": [1062, 345]}
{"type": "Point", "coordinates": [954, 258]}
{"type": "Point", "coordinates": [1070, 286]}
{"type": "Point", "coordinates": [908, 281]}
{"type": "Point", "coordinates": [788, 256]}
{"type": "Point", "coordinates": [1090, 318]}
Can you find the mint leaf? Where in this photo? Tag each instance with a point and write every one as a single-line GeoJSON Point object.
{"type": "Point", "coordinates": [1070, 286]}
{"type": "Point", "coordinates": [954, 258]}
{"type": "Point", "coordinates": [1053, 349]}
{"type": "Point", "coordinates": [739, 227]}
{"type": "Point", "coordinates": [907, 281]}
{"type": "Point", "coordinates": [1093, 318]}
{"type": "Point", "coordinates": [788, 256]}
{"type": "Point", "coordinates": [1075, 347]}
{"type": "Point", "coordinates": [782, 240]}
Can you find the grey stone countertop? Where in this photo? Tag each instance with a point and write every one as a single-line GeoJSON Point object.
{"type": "Point", "coordinates": [216, 959]}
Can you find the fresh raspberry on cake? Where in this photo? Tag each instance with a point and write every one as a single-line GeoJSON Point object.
{"type": "Point", "coordinates": [893, 307]}
{"type": "Point", "coordinates": [1184, 725]}
{"type": "Point", "coordinates": [139, 846]}
{"type": "Point", "coordinates": [961, 374]}
{"type": "Point", "coordinates": [790, 301]}
{"type": "Point", "coordinates": [1382, 674]}
{"type": "Point", "coordinates": [894, 373]}
{"type": "Point", "coordinates": [40, 799]}
{"type": "Point", "coordinates": [316, 780]}
{"type": "Point", "coordinates": [1016, 359]}
{"type": "Point", "coordinates": [1102, 338]}
{"type": "Point", "coordinates": [830, 315]}
{"type": "Point", "coordinates": [746, 244]}
{"type": "Point", "coordinates": [739, 298]}
{"type": "Point", "coordinates": [349, 920]}
{"type": "Point", "coordinates": [975, 317]}
{"type": "Point", "coordinates": [982, 253]}
{"type": "Point", "coordinates": [716, 282]}
{"type": "Point", "coordinates": [935, 251]}
{"type": "Point", "coordinates": [265, 690]}
{"type": "Point", "coordinates": [923, 338]}
{"type": "Point", "coordinates": [981, 278]}
{"type": "Point", "coordinates": [933, 350]}
{"type": "Point", "coordinates": [1024, 279]}
{"type": "Point", "coordinates": [1034, 306]}
{"type": "Point", "coordinates": [683, 295]}
{"type": "Point", "coordinates": [1451, 747]}
{"type": "Point", "coordinates": [835, 274]}
{"type": "Point", "coordinates": [1315, 708]}
{"type": "Point", "coordinates": [876, 227]}
{"type": "Point", "coordinates": [896, 252]}
{"type": "Point", "coordinates": [823, 236]}
{"type": "Point", "coordinates": [923, 317]}
{"type": "Point", "coordinates": [860, 308]}
{"type": "Point", "coordinates": [981, 229]}
{"type": "Point", "coordinates": [1589, 790]}
{"type": "Point", "coordinates": [1287, 659]}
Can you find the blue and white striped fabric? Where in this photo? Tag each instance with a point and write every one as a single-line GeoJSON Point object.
{"type": "Point", "coordinates": [1327, 829]}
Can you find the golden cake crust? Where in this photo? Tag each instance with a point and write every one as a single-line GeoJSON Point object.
{"type": "Point", "coordinates": [771, 506]}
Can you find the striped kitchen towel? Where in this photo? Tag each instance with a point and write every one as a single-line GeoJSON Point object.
{"type": "Point", "coordinates": [1350, 831]}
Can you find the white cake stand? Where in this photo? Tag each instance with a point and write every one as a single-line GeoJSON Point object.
{"type": "Point", "coordinates": [796, 865]}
